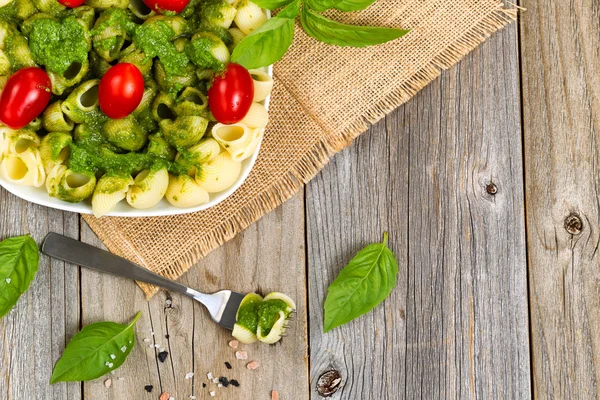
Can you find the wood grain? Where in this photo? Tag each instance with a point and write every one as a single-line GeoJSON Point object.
{"type": "Point", "coordinates": [195, 343]}
{"type": "Point", "coordinates": [456, 325]}
{"type": "Point", "coordinates": [35, 332]}
{"type": "Point", "coordinates": [561, 111]}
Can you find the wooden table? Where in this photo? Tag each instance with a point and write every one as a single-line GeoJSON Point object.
{"type": "Point", "coordinates": [487, 181]}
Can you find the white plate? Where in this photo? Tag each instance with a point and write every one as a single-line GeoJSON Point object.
{"type": "Point", "coordinates": [40, 195]}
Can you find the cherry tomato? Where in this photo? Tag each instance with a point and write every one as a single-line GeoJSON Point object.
{"type": "Point", "coordinates": [231, 94]}
{"type": "Point", "coordinates": [160, 6]}
{"type": "Point", "coordinates": [25, 96]}
{"type": "Point", "coordinates": [120, 90]}
{"type": "Point", "coordinates": [71, 3]}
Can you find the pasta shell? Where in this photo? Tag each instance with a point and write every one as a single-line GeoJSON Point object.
{"type": "Point", "coordinates": [219, 173]}
{"type": "Point", "coordinates": [148, 189]}
{"type": "Point", "coordinates": [184, 192]}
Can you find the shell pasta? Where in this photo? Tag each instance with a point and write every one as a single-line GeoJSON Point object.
{"type": "Point", "coordinates": [170, 150]}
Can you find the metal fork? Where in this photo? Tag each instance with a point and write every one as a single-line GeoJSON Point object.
{"type": "Point", "coordinates": [222, 305]}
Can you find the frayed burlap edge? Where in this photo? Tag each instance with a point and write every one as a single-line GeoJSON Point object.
{"type": "Point", "coordinates": [313, 161]}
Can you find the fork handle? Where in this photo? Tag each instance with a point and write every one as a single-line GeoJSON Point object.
{"type": "Point", "coordinates": [79, 253]}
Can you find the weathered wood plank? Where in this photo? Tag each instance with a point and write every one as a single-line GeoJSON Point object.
{"type": "Point", "coordinates": [268, 256]}
{"type": "Point", "coordinates": [456, 325]}
{"type": "Point", "coordinates": [561, 113]}
{"type": "Point", "coordinates": [36, 331]}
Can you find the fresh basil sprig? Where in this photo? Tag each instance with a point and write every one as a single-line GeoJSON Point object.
{"type": "Point", "coordinates": [332, 32]}
{"type": "Point", "coordinates": [98, 349]}
{"type": "Point", "coordinates": [270, 42]}
{"type": "Point", "coordinates": [364, 283]}
{"type": "Point", "coordinates": [19, 260]}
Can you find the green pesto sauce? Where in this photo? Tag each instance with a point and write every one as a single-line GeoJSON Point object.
{"type": "Point", "coordinates": [114, 17]}
{"type": "Point", "coordinates": [210, 10]}
{"type": "Point", "coordinates": [198, 51]}
{"type": "Point", "coordinates": [88, 157]}
{"type": "Point", "coordinates": [247, 315]}
{"type": "Point", "coordinates": [155, 41]}
{"type": "Point", "coordinates": [58, 45]}
{"type": "Point", "coordinates": [107, 44]}
{"type": "Point", "coordinates": [10, 12]}
{"type": "Point", "coordinates": [268, 314]}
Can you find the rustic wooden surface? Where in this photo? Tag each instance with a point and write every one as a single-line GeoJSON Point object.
{"type": "Point", "coordinates": [486, 184]}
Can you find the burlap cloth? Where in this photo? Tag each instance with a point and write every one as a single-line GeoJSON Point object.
{"type": "Point", "coordinates": [324, 96]}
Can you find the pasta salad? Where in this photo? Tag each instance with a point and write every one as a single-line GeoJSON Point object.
{"type": "Point", "coordinates": [128, 100]}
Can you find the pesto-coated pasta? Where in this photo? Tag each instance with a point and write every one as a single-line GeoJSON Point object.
{"type": "Point", "coordinates": [71, 77]}
{"type": "Point", "coordinates": [219, 173]}
{"type": "Point", "coordinates": [263, 84]}
{"type": "Point", "coordinates": [68, 185]}
{"type": "Point", "coordinates": [162, 107]}
{"type": "Point", "coordinates": [55, 120]}
{"type": "Point", "coordinates": [82, 101]}
{"type": "Point", "coordinates": [109, 191]}
{"type": "Point", "coordinates": [140, 9]}
{"type": "Point", "coordinates": [184, 131]}
{"type": "Point", "coordinates": [54, 149]}
{"type": "Point", "coordinates": [184, 192]}
{"type": "Point", "coordinates": [106, 4]}
{"type": "Point", "coordinates": [125, 133]}
{"type": "Point", "coordinates": [191, 102]}
{"type": "Point", "coordinates": [249, 17]}
{"type": "Point", "coordinates": [148, 189]}
{"type": "Point", "coordinates": [171, 146]}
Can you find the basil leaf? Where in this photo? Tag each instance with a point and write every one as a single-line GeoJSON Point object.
{"type": "Point", "coordinates": [19, 260]}
{"type": "Point", "coordinates": [271, 4]}
{"type": "Point", "coordinates": [332, 32]}
{"type": "Point", "coordinates": [322, 5]}
{"type": "Point", "coordinates": [353, 5]}
{"type": "Point", "coordinates": [364, 283]}
{"type": "Point", "coordinates": [269, 42]}
{"type": "Point", "coordinates": [98, 349]}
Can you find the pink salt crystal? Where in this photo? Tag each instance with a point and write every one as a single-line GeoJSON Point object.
{"type": "Point", "coordinates": [234, 344]}
{"type": "Point", "coordinates": [241, 355]}
{"type": "Point", "coordinates": [252, 365]}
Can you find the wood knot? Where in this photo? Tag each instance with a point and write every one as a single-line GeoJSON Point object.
{"type": "Point", "coordinates": [329, 383]}
{"type": "Point", "coordinates": [491, 188]}
{"type": "Point", "coordinates": [573, 224]}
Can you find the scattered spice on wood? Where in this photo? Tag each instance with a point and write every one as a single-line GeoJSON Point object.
{"type": "Point", "coordinates": [164, 396]}
{"type": "Point", "coordinates": [203, 384]}
{"type": "Point", "coordinates": [149, 388]}
{"type": "Point", "coordinates": [252, 365]}
{"type": "Point", "coordinates": [162, 356]}
{"type": "Point", "coordinates": [107, 383]}
{"type": "Point", "coordinates": [234, 382]}
{"type": "Point", "coordinates": [224, 381]}
{"type": "Point", "coordinates": [234, 344]}
{"type": "Point", "coordinates": [241, 355]}
{"type": "Point", "coordinates": [227, 365]}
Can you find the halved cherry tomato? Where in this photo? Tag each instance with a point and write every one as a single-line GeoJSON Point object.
{"type": "Point", "coordinates": [231, 94]}
{"type": "Point", "coordinates": [25, 96]}
{"type": "Point", "coordinates": [160, 6]}
{"type": "Point", "coordinates": [120, 90]}
{"type": "Point", "coordinates": [71, 3]}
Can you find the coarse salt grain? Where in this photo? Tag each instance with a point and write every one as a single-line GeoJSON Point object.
{"type": "Point", "coordinates": [157, 346]}
{"type": "Point", "coordinates": [164, 396]}
{"type": "Point", "coordinates": [124, 349]}
{"type": "Point", "coordinates": [220, 385]}
{"type": "Point", "coordinates": [252, 365]}
{"type": "Point", "coordinates": [121, 378]}
{"type": "Point", "coordinates": [234, 344]}
{"type": "Point", "coordinates": [110, 365]}
{"type": "Point", "coordinates": [146, 340]}
{"type": "Point", "coordinates": [107, 363]}
{"type": "Point", "coordinates": [171, 398]}
{"type": "Point", "coordinates": [113, 356]}
{"type": "Point", "coordinates": [189, 375]}
{"type": "Point", "coordinates": [215, 380]}
{"type": "Point", "coordinates": [8, 280]}
{"type": "Point", "coordinates": [274, 395]}
{"type": "Point", "coordinates": [212, 394]}
{"type": "Point", "coordinates": [192, 397]}
{"type": "Point", "coordinates": [241, 355]}
{"type": "Point", "coordinates": [210, 376]}
{"type": "Point", "coordinates": [112, 372]}
{"type": "Point", "coordinates": [107, 383]}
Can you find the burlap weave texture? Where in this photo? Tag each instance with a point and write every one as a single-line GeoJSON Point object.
{"type": "Point", "coordinates": [324, 96]}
